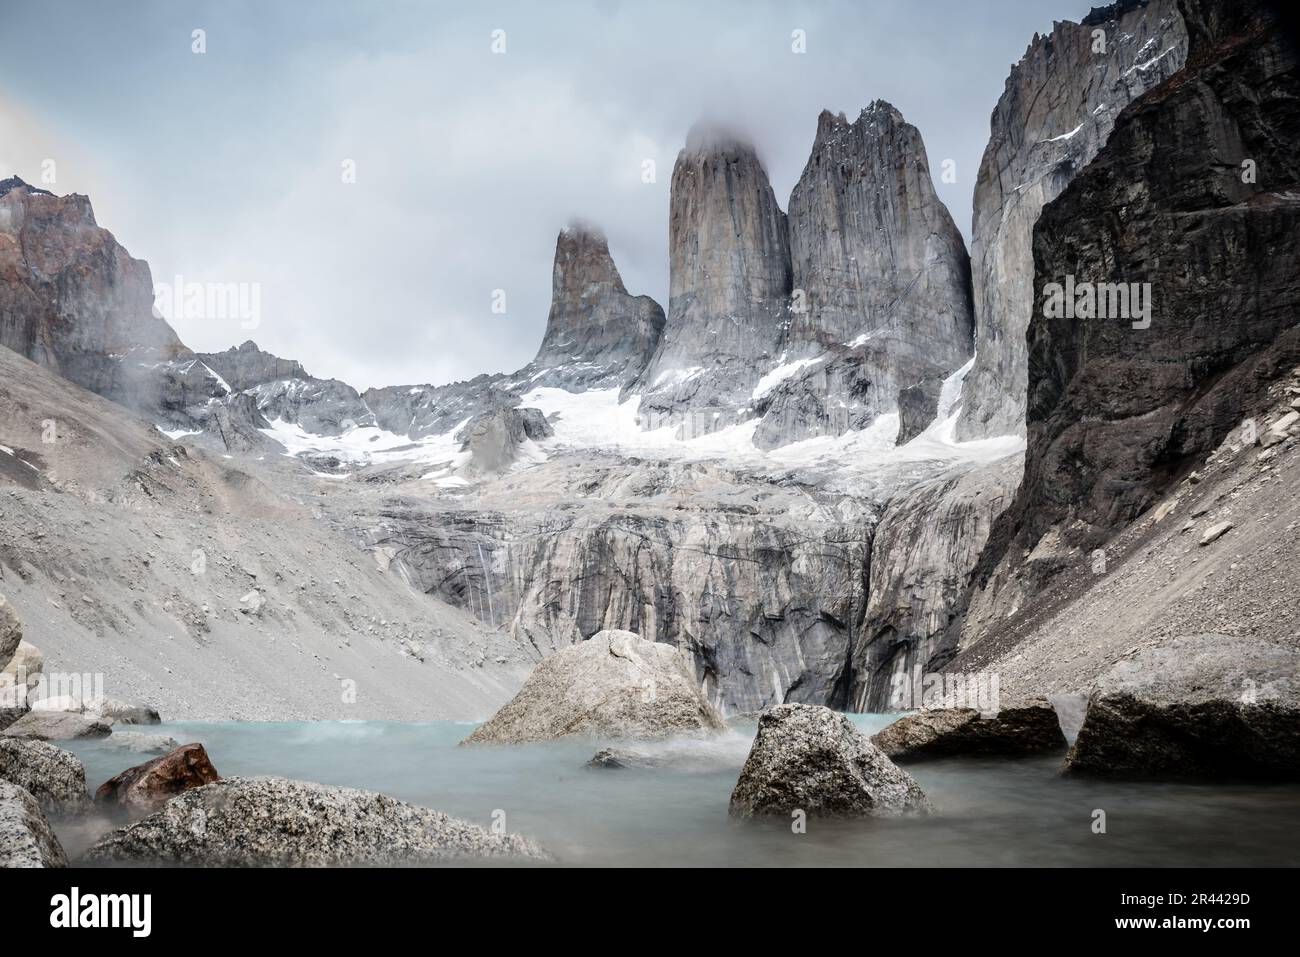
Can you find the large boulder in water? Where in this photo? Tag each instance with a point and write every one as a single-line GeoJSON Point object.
{"type": "Point", "coordinates": [1029, 728]}
{"type": "Point", "coordinates": [26, 838]}
{"type": "Point", "coordinates": [613, 685]}
{"type": "Point", "coordinates": [146, 787]}
{"type": "Point", "coordinates": [1206, 706]}
{"type": "Point", "coordinates": [812, 759]}
{"type": "Point", "coordinates": [53, 776]}
{"type": "Point", "coordinates": [255, 822]}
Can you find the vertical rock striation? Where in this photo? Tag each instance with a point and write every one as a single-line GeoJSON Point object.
{"type": "Point", "coordinates": [1118, 414]}
{"type": "Point", "coordinates": [881, 281]}
{"type": "Point", "coordinates": [596, 332]}
{"type": "Point", "coordinates": [729, 284]}
{"type": "Point", "coordinates": [1058, 108]}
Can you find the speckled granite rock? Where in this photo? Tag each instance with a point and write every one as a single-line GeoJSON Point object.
{"type": "Point", "coordinates": [1028, 728]}
{"type": "Point", "coordinates": [275, 822]}
{"type": "Point", "coordinates": [55, 777]}
{"type": "Point", "coordinates": [613, 685]}
{"type": "Point", "coordinates": [26, 838]}
{"type": "Point", "coordinates": [812, 759]}
{"type": "Point", "coordinates": [1058, 108]}
{"type": "Point", "coordinates": [1203, 706]}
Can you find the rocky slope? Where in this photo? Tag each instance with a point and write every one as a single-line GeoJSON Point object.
{"type": "Point", "coordinates": [1057, 110]}
{"type": "Point", "coordinates": [1142, 441]}
{"type": "Point", "coordinates": [881, 281]}
{"type": "Point", "coordinates": [210, 588]}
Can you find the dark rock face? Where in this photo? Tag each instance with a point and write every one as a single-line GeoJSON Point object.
{"type": "Point", "coordinates": [922, 556]}
{"type": "Point", "coordinates": [143, 789]}
{"type": "Point", "coordinates": [74, 301]}
{"type": "Point", "coordinates": [595, 331]}
{"type": "Point", "coordinates": [1118, 414]}
{"type": "Point", "coordinates": [918, 405]}
{"type": "Point", "coordinates": [812, 759]}
{"type": "Point", "coordinates": [268, 822]}
{"type": "Point", "coordinates": [236, 423]}
{"type": "Point", "coordinates": [1210, 706]}
{"type": "Point", "coordinates": [876, 259]}
{"type": "Point", "coordinates": [1030, 728]}
{"type": "Point", "coordinates": [729, 282]}
{"type": "Point", "coordinates": [1060, 103]}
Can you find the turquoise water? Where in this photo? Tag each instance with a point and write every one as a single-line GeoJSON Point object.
{"type": "Point", "coordinates": [991, 812]}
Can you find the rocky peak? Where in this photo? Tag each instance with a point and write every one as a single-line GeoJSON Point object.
{"type": "Point", "coordinates": [15, 182]}
{"type": "Point", "coordinates": [247, 366]}
{"type": "Point", "coordinates": [595, 329]}
{"type": "Point", "coordinates": [1056, 111]}
{"type": "Point", "coordinates": [881, 298]}
{"type": "Point", "coordinates": [729, 278]}
{"type": "Point", "coordinates": [73, 300]}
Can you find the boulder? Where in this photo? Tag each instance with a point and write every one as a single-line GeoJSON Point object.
{"type": "Point", "coordinates": [11, 632]}
{"type": "Point", "coordinates": [1198, 706]}
{"type": "Point", "coordinates": [812, 759]}
{"type": "Point", "coordinates": [53, 776]}
{"type": "Point", "coordinates": [141, 790]}
{"type": "Point", "coordinates": [242, 822]}
{"type": "Point", "coordinates": [137, 742]}
{"type": "Point", "coordinates": [1031, 728]}
{"type": "Point", "coordinates": [26, 838]}
{"type": "Point", "coordinates": [613, 685]}
{"type": "Point", "coordinates": [128, 712]}
{"type": "Point", "coordinates": [26, 660]}
{"type": "Point", "coordinates": [57, 726]}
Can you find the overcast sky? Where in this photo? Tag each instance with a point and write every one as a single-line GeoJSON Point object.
{"type": "Point", "coordinates": [227, 166]}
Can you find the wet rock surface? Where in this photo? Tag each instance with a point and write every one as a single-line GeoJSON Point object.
{"type": "Point", "coordinates": [812, 759]}
{"type": "Point", "coordinates": [1202, 706]}
{"type": "Point", "coordinates": [1029, 728]}
{"type": "Point", "coordinates": [142, 789]}
{"type": "Point", "coordinates": [265, 822]}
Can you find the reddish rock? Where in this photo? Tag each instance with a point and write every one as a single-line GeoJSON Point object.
{"type": "Point", "coordinates": [146, 787]}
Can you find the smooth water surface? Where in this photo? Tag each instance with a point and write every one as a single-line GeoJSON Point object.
{"type": "Point", "coordinates": [991, 812]}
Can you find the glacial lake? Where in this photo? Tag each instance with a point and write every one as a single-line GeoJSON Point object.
{"type": "Point", "coordinates": [991, 812]}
